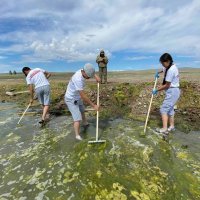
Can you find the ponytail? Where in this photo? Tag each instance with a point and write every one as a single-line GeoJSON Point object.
{"type": "Point", "coordinates": [164, 58]}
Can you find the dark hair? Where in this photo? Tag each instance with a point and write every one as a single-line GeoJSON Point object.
{"type": "Point", "coordinates": [25, 69]}
{"type": "Point", "coordinates": [164, 58]}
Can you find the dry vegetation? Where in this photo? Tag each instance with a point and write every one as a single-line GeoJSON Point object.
{"type": "Point", "coordinates": [127, 94]}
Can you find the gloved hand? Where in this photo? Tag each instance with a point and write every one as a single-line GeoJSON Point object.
{"type": "Point", "coordinates": [157, 75]}
{"type": "Point", "coordinates": [154, 92]}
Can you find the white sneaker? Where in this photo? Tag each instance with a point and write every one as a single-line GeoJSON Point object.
{"type": "Point", "coordinates": [162, 130]}
{"type": "Point", "coordinates": [78, 137]}
{"type": "Point", "coordinates": [171, 128]}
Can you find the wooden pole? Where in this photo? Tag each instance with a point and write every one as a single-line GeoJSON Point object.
{"type": "Point", "coordinates": [97, 120]}
{"type": "Point", "coordinates": [24, 113]}
{"type": "Point", "coordinates": [147, 118]}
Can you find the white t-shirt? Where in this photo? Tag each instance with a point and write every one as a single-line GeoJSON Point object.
{"type": "Point", "coordinates": [172, 76]}
{"type": "Point", "coordinates": [36, 77]}
{"type": "Point", "coordinates": [76, 84]}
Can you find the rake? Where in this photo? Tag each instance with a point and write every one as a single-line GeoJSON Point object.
{"type": "Point", "coordinates": [97, 122]}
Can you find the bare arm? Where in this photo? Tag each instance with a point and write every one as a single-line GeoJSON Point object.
{"type": "Point", "coordinates": [87, 100]}
{"type": "Point", "coordinates": [31, 93]}
{"type": "Point", "coordinates": [164, 87]}
{"type": "Point", "coordinates": [97, 78]}
{"type": "Point", "coordinates": [47, 74]}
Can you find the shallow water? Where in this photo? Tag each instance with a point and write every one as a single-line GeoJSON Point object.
{"type": "Point", "coordinates": [48, 163]}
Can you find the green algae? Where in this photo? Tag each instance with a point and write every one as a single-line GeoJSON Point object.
{"type": "Point", "coordinates": [53, 165]}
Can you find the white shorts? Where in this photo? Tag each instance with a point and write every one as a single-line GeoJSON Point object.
{"type": "Point", "coordinates": [43, 94]}
{"type": "Point", "coordinates": [171, 97]}
{"type": "Point", "coordinates": [76, 108]}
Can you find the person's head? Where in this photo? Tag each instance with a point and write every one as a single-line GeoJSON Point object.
{"type": "Point", "coordinates": [26, 70]}
{"type": "Point", "coordinates": [166, 60]}
{"type": "Point", "coordinates": [102, 53]}
{"type": "Point", "coordinates": [88, 71]}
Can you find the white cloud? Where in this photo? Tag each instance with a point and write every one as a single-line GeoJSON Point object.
{"type": "Point", "coordinates": [74, 30]}
{"type": "Point", "coordinates": [139, 57]}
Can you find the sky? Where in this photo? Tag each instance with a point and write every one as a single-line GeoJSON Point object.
{"type": "Point", "coordinates": [63, 35]}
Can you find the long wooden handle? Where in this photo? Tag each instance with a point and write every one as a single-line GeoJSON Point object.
{"type": "Point", "coordinates": [147, 118]}
{"type": "Point", "coordinates": [97, 120]}
{"type": "Point", "coordinates": [24, 113]}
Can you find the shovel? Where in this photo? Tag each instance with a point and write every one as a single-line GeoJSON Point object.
{"type": "Point", "coordinates": [145, 126]}
{"type": "Point", "coordinates": [97, 122]}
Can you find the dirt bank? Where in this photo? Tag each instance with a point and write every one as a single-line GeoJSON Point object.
{"type": "Point", "coordinates": [132, 100]}
{"type": "Point", "coordinates": [127, 99]}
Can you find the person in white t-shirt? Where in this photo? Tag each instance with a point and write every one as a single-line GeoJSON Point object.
{"type": "Point", "coordinates": [75, 94]}
{"type": "Point", "coordinates": [38, 78]}
{"type": "Point", "coordinates": [172, 92]}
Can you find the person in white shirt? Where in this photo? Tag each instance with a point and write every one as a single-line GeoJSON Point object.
{"type": "Point", "coordinates": [75, 94]}
{"type": "Point", "coordinates": [172, 92]}
{"type": "Point", "coordinates": [38, 78]}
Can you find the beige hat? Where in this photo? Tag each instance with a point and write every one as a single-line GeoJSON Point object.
{"type": "Point", "coordinates": [89, 70]}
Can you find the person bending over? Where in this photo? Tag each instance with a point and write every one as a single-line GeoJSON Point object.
{"type": "Point", "coordinates": [37, 79]}
{"type": "Point", "coordinates": [75, 95]}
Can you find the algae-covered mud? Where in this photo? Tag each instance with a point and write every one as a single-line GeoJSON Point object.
{"type": "Point", "coordinates": [48, 163]}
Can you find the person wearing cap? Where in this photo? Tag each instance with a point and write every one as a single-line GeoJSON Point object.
{"type": "Point", "coordinates": [75, 95]}
{"type": "Point", "coordinates": [102, 61]}
{"type": "Point", "coordinates": [39, 78]}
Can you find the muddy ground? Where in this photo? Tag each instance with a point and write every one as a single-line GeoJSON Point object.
{"type": "Point", "coordinates": [127, 94]}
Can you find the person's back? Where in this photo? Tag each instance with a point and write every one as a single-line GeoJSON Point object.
{"type": "Point", "coordinates": [37, 78]}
